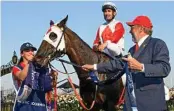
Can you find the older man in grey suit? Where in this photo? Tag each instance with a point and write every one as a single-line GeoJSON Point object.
{"type": "Point", "coordinates": [148, 64]}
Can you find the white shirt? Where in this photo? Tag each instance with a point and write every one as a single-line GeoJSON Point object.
{"type": "Point", "coordinates": [140, 42]}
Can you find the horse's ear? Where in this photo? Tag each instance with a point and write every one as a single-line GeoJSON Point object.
{"type": "Point", "coordinates": [51, 23]}
{"type": "Point", "coordinates": [63, 22]}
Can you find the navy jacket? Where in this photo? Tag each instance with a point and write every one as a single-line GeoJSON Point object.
{"type": "Point", "coordinates": [149, 85]}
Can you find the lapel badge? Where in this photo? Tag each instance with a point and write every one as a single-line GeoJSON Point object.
{"type": "Point", "coordinates": [144, 45]}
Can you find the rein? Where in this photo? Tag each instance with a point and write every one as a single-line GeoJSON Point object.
{"type": "Point", "coordinates": [71, 63]}
{"type": "Point", "coordinates": [52, 67]}
{"type": "Point", "coordinates": [100, 83]}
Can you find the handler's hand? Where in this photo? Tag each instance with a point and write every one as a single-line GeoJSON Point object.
{"type": "Point", "coordinates": [133, 63]}
{"type": "Point", "coordinates": [88, 67]}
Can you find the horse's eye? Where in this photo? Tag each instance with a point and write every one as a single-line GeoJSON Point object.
{"type": "Point", "coordinates": [53, 36]}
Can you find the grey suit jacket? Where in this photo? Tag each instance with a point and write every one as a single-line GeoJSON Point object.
{"type": "Point", "coordinates": [149, 85]}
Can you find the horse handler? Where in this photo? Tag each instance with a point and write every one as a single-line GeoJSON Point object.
{"type": "Point", "coordinates": [31, 82]}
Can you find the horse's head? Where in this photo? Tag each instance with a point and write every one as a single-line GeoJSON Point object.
{"type": "Point", "coordinates": [53, 44]}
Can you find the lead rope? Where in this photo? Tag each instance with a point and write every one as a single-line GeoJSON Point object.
{"type": "Point", "coordinates": [75, 91]}
{"type": "Point", "coordinates": [121, 99]}
{"type": "Point", "coordinates": [55, 99]}
{"type": "Point", "coordinates": [77, 95]}
{"type": "Point", "coordinates": [55, 95]}
{"type": "Point", "coordinates": [49, 94]}
{"type": "Point", "coordinates": [48, 100]}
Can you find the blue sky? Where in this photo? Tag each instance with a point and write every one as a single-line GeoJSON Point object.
{"type": "Point", "coordinates": [28, 21]}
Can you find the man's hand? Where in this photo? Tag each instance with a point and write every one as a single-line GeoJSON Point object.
{"type": "Point", "coordinates": [102, 46]}
{"type": "Point", "coordinates": [133, 63]}
{"type": "Point", "coordinates": [88, 67]}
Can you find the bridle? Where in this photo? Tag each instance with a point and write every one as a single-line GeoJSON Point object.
{"type": "Point", "coordinates": [64, 50]}
{"type": "Point", "coordinates": [62, 54]}
{"type": "Point", "coordinates": [63, 34]}
{"type": "Point", "coordinates": [66, 72]}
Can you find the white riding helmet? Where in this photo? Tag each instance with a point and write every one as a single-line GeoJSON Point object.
{"type": "Point", "coordinates": [109, 5]}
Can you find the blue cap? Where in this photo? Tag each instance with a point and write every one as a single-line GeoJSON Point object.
{"type": "Point", "coordinates": [26, 46]}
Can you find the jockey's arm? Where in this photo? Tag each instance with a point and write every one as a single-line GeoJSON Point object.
{"type": "Point", "coordinates": [22, 74]}
{"type": "Point", "coordinates": [96, 42]}
{"type": "Point", "coordinates": [116, 49]}
{"type": "Point", "coordinates": [118, 33]}
{"type": "Point", "coordinates": [116, 43]}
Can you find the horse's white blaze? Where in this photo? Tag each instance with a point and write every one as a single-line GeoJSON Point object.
{"type": "Point", "coordinates": [55, 42]}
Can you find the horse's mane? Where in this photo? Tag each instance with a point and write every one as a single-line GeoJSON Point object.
{"type": "Point", "coordinates": [73, 33]}
{"type": "Point", "coordinates": [101, 57]}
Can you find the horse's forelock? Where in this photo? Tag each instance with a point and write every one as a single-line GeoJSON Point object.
{"type": "Point", "coordinates": [49, 30]}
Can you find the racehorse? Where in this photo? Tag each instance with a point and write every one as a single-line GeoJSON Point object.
{"type": "Point", "coordinates": [60, 40]}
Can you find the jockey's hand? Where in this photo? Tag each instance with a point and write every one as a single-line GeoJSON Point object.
{"type": "Point", "coordinates": [88, 67]}
{"type": "Point", "coordinates": [102, 46]}
{"type": "Point", "coordinates": [95, 48]}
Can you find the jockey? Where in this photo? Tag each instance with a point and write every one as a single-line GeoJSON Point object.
{"type": "Point", "coordinates": [109, 37]}
{"type": "Point", "coordinates": [26, 98]}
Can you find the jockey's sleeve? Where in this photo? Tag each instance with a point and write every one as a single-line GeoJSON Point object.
{"type": "Point", "coordinates": [118, 33]}
{"type": "Point", "coordinates": [116, 49]}
{"type": "Point", "coordinates": [97, 39]}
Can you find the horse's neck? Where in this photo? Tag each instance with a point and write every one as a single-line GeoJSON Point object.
{"type": "Point", "coordinates": [79, 52]}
